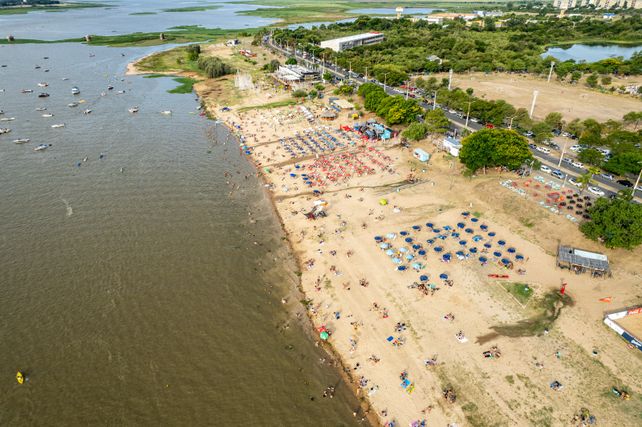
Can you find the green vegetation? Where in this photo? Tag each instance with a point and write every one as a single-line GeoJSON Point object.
{"type": "Point", "coordinates": [616, 223]}
{"type": "Point", "coordinates": [173, 60]}
{"type": "Point", "coordinates": [516, 46]}
{"type": "Point", "coordinates": [19, 8]}
{"type": "Point", "coordinates": [142, 13]}
{"type": "Point", "coordinates": [393, 109]}
{"type": "Point", "coordinates": [494, 148]}
{"type": "Point", "coordinates": [276, 104]}
{"type": "Point", "coordinates": [435, 121]}
{"type": "Point", "coordinates": [186, 85]}
{"type": "Point", "coordinates": [522, 292]}
{"type": "Point", "coordinates": [213, 66]}
{"type": "Point", "coordinates": [193, 8]}
{"type": "Point", "coordinates": [415, 132]}
{"type": "Point", "coordinates": [299, 93]}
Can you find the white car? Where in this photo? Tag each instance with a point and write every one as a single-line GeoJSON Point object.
{"type": "Point", "coordinates": [545, 168]}
{"type": "Point", "coordinates": [543, 149]}
{"type": "Point", "coordinates": [607, 176]}
{"type": "Point", "coordinates": [575, 147]}
{"type": "Point", "coordinates": [578, 165]}
{"type": "Point", "coordinates": [572, 181]}
{"type": "Point", "coordinates": [596, 191]}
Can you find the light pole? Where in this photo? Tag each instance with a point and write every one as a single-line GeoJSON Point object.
{"type": "Point", "coordinates": [450, 78]}
{"type": "Point", "coordinates": [637, 181]}
{"type": "Point", "coordinates": [550, 72]}
{"type": "Point", "coordinates": [510, 124]}
{"type": "Point", "coordinates": [366, 74]}
{"type": "Point", "coordinates": [535, 93]}
{"type": "Point", "coordinates": [562, 155]}
{"type": "Point", "coordinates": [468, 113]}
{"type": "Point", "coordinates": [385, 77]}
{"type": "Point", "coordinates": [349, 71]}
{"type": "Point", "coordinates": [434, 102]}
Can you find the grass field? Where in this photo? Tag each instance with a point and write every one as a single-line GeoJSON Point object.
{"type": "Point", "coordinates": [192, 8]}
{"type": "Point", "coordinates": [276, 104]}
{"type": "Point", "coordinates": [186, 85]}
{"type": "Point", "coordinates": [520, 291]}
{"type": "Point", "coordinates": [173, 60]}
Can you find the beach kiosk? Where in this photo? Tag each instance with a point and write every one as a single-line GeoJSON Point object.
{"type": "Point", "coordinates": [421, 155]}
{"type": "Point", "coordinates": [581, 261]}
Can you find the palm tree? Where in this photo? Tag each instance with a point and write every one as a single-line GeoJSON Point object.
{"type": "Point", "coordinates": [587, 178]}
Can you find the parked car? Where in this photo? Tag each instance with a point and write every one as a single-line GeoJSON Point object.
{"type": "Point", "coordinates": [577, 164]}
{"type": "Point", "coordinates": [554, 146]}
{"type": "Point", "coordinates": [625, 182]}
{"type": "Point", "coordinates": [596, 191]}
{"type": "Point", "coordinates": [572, 181]}
{"type": "Point", "coordinates": [532, 146]}
{"type": "Point", "coordinates": [575, 148]}
{"type": "Point", "coordinates": [543, 149]}
{"type": "Point", "coordinates": [567, 160]}
{"type": "Point", "coordinates": [545, 168]}
{"type": "Point", "coordinates": [529, 134]}
{"type": "Point", "coordinates": [474, 119]}
{"type": "Point", "coordinates": [558, 174]}
{"type": "Point", "coordinates": [607, 176]}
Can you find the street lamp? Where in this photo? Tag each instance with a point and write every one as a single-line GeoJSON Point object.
{"type": "Point", "coordinates": [562, 155]}
{"type": "Point", "coordinates": [468, 113]}
{"type": "Point", "coordinates": [385, 77]}
{"type": "Point", "coordinates": [637, 181]}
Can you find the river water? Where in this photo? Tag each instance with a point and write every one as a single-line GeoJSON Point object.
{"type": "Point", "coordinates": [591, 53]}
{"type": "Point", "coordinates": [142, 272]}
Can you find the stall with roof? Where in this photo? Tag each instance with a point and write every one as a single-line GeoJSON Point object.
{"type": "Point", "coordinates": [581, 261]}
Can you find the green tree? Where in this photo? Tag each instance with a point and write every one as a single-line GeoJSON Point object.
{"type": "Point", "coordinates": [436, 121]}
{"type": "Point", "coordinates": [617, 223]}
{"type": "Point", "coordinates": [299, 93]}
{"type": "Point", "coordinates": [272, 66]}
{"type": "Point", "coordinates": [606, 80]}
{"type": "Point", "coordinates": [492, 148]}
{"type": "Point", "coordinates": [633, 118]}
{"type": "Point", "coordinates": [193, 51]}
{"type": "Point", "coordinates": [592, 133]}
{"type": "Point", "coordinates": [591, 81]}
{"type": "Point", "coordinates": [554, 120]}
{"type": "Point", "coordinates": [392, 75]}
{"type": "Point", "coordinates": [327, 76]}
{"type": "Point", "coordinates": [415, 132]}
{"type": "Point", "coordinates": [522, 120]}
{"type": "Point", "coordinates": [542, 132]}
{"type": "Point", "coordinates": [290, 61]}
{"type": "Point", "coordinates": [623, 163]}
{"type": "Point", "coordinates": [213, 66]}
{"type": "Point", "coordinates": [574, 127]}
{"type": "Point", "coordinates": [591, 156]}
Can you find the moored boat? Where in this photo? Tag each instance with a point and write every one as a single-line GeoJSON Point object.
{"type": "Point", "coordinates": [75, 90]}
{"type": "Point", "coordinates": [47, 115]}
{"type": "Point", "coordinates": [72, 105]}
{"type": "Point", "coordinates": [4, 130]}
{"type": "Point", "coordinates": [87, 111]}
{"type": "Point", "coordinates": [43, 95]}
{"type": "Point", "coordinates": [21, 141]}
{"type": "Point", "coordinates": [43, 84]}
{"type": "Point", "coordinates": [27, 91]}
{"type": "Point", "coordinates": [59, 125]}
{"type": "Point", "coordinates": [7, 119]}
{"type": "Point", "coordinates": [133, 110]}
{"type": "Point", "coordinates": [41, 109]}
{"type": "Point", "coordinates": [166, 112]}
{"type": "Point", "coordinates": [41, 147]}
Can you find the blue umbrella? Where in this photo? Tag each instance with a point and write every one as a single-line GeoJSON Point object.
{"type": "Point", "coordinates": [408, 239]}
{"type": "Point", "coordinates": [416, 227]}
{"type": "Point", "coordinates": [443, 276]}
{"type": "Point", "coordinates": [429, 224]}
{"type": "Point", "coordinates": [446, 257]}
{"type": "Point", "coordinates": [436, 230]}
{"type": "Point", "coordinates": [390, 252]}
{"type": "Point", "coordinates": [519, 257]}
{"type": "Point", "coordinates": [474, 219]}
{"type": "Point", "coordinates": [477, 238]}
{"type": "Point", "coordinates": [403, 233]}
{"type": "Point", "coordinates": [459, 253]}
{"type": "Point", "coordinates": [396, 260]}
{"type": "Point", "coordinates": [483, 259]}
{"type": "Point", "coordinates": [491, 233]}
{"type": "Point", "coordinates": [497, 254]}
{"type": "Point", "coordinates": [448, 228]}
{"type": "Point", "coordinates": [487, 245]}
{"type": "Point", "coordinates": [430, 241]}
{"type": "Point", "coordinates": [391, 235]}
{"type": "Point", "coordinates": [505, 261]}
{"type": "Point", "coordinates": [438, 249]}
{"type": "Point", "coordinates": [473, 250]}
{"type": "Point", "coordinates": [455, 234]}
{"type": "Point", "coordinates": [417, 266]}
{"type": "Point", "coordinates": [422, 252]}
{"type": "Point", "coordinates": [465, 213]}
{"type": "Point", "coordinates": [483, 227]}
{"type": "Point", "coordinates": [403, 250]}
{"type": "Point", "coordinates": [410, 257]}
{"type": "Point", "coordinates": [297, 166]}
{"type": "Point", "coordinates": [293, 175]}
{"type": "Point", "coordinates": [462, 242]}
{"type": "Point", "coordinates": [401, 268]}
{"type": "Point", "coordinates": [378, 238]}
{"type": "Point", "coordinates": [469, 230]}
{"type": "Point", "coordinates": [423, 278]}
{"type": "Point", "coordinates": [415, 246]}
{"type": "Point", "coordinates": [461, 225]}
{"type": "Point", "coordinates": [501, 242]}
{"type": "Point", "coordinates": [511, 250]}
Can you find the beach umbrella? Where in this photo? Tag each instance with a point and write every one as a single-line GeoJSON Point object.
{"type": "Point", "coordinates": [474, 219]}
{"type": "Point", "coordinates": [483, 227]}
{"type": "Point", "coordinates": [469, 230]}
{"type": "Point", "coordinates": [483, 259]}
{"type": "Point", "coordinates": [443, 276]}
{"type": "Point", "coordinates": [491, 233]}
{"type": "Point", "coordinates": [293, 175]}
{"type": "Point", "coordinates": [436, 230]}
{"type": "Point", "coordinates": [416, 246]}
{"type": "Point", "coordinates": [446, 257]}
{"type": "Point", "coordinates": [391, 235]}
{"type": "Point", "coordinates": [505, 261]}
{"type": "Point", "coordinates": [416, 227]}
{"type": "Point", "coordinates": [396, 260]}
{"type": "Point", "coordinates": [324, 335]}
{"type": "Point", "coordinates": [423, 278]}
{"type": "Point", "coordinates": [461, 225]}
{"type": "Point", "coordinates": [448, 228]}
{"type": "Point", "coordinates": [477, 238]}
{"type": "Point", "coordinates": [511, 250]}
{"type": "Point", "coordinates": [403, 233]}
{"type": "Point", "coordinates": [410, 257]}
{"type": "Point", "coordinates": [487, 245]}
{"type": "Point", "coordinates": [422, 252]}
{"type": "Point", "coordinates": [501, 242]}
{"type": "Point", "coordinates": [401, 268]}
{"type": "Point", "coordinates": [384, 245]}
{"type": "Point", "coordinates": [497, 254]}
{"type": "Point", "coordinates": [378, 238]}
{"type": "Point", "coordinates": [465, 213]}
{"type": "Point", "coordinates": [297, 166]}
{"type": "Point", "coordinates": [459, 253]}
{"type": "Point", "coordinates": [408, 239]}
{"type": "Point", "coordinates": [417, 266]}
{"type": "Point", "coordinates": [429, 224]}
{"type": "Point", "coordinates": [438, 249]}
{"type": "Point", "coordinates": [462, 242]}
{"type": "Point", "coordinates": [390, 252]}
{"type": "Point", "coordinates": [430, 241]}
{"type": "Point", "coordinates": [473, 250]}
{"type": "Point", "coordinates": [403, 249]}
{"type": "Point", "coordinates": [519, 257]}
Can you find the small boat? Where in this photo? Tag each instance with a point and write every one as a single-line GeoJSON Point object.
{"type": "Point", "coordinates": [41, 109]}
{"type": "Point", "coordinates": [166, 112]}
{"type": "Point", "coordinates": [41, 147]}
{"type": "Point", "coordinates": [120, 92]}
{"type": "Point", "coordinates": [37, 67]}
{"type": "Point", "coordinates": [59, 125]}
{"type": "Point", "coordinates": [46, 57]}
{"type": "Point", "coordinates": [47, 115]}
{"type": "Point", "coordinates": [72, 105]}
{"type": "Point", "coordinates": [1, 112]}
{"type": "Point", "coordinates": [103, 93]}
{"type": "Point", "coordinates": [64, 79]}
{"type": "Point", "coordinates": [7, 119]}
{"type": "Point", "coordinates": [87, 111]}
{"type": "Point", "coordinates": [20, 377]}
{"type": "Point", "coordinates": [4, 130]}
{"type": "Point", "coordinates": [21, 141]}
{"type": "Point", "coordinates": [47, 70]}
{"type": "Point", "coordinates": [43, 95]}
{"type": "Point", "coordinates": [43, 84]}
{"type": "Point", "coordinates": [27, 90]}
{"type": "Point", "coordinates": [110, 87]}
{"type": "Point", "coordinates": [75, 90]}
{"type": "Point", "coordinates": [133, 110]}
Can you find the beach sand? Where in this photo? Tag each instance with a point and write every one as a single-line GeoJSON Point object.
{"type": "Point", "coordinates": [354, 290]}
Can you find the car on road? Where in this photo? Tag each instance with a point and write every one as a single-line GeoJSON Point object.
{"type": "Point", "coordinates": [625, 182]}
{"type": "Point", "coordinates": [474, 120]}
{"type": "Point", "coordinates": [532, 146]}
{"type": "Point", "coordinates": [543, 149]}
{"type": "Point", "coordinates": [545, 168]}
{"type": "Point", "coordinates": [596, 191]}
{"type": "Point", "coordinates": [528, 134]}
{"type": "Point", "coordinates": [577, 164]}
{"type": "Point", "coordinates": [572, 181]}
{"type": "Point", "coordinates": [558, 174]}
{"type": "Point", "coordinates": [575, 147]}
{"type": "Point", "coordinates": [554, 146]}
{"type": "Point", "coordinates": [607, 176]}
{"type": "Point", "coordinates": [567, 160]}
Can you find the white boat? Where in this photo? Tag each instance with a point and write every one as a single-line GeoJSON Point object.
{"type": "Point", "coordinates": [87, 111]}
{"type": "Point", "coordinates": [133, 110]}
{"type": "Point", "coordinates": [27, 90]}
{"type": "Point", "coordinates": [72, 105]}
{"type": "Point", "coordinates": [7, 119]}
{"type": "Point", "coordinates": [59, 125]}
{"type": "Point", "coordinates": [43, 95]}
{"type": "Point", "coordinates": [47, 115]}
{"type": "Point", "coordinates": [166, 112]}
{"type": "Point", "coordinates": [4, 130]}
{"type": "Point", "coordinates": [1, 112]}
{"type": "Point", "coordinates": [43, 84]}
{"type": "Point", "coordinates": [21, 141]}
{"type": "Point", "coordinates": [64, 79]}
{"type": "Point", "coordinates": [41, 109]}
{"type": "Point", "coordinates": [41, 147]}
{"type": "Point", "coordinates": [75, 90]}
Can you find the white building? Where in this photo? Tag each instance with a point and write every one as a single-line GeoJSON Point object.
{"type": "Point", "coordinates": [349, 42]}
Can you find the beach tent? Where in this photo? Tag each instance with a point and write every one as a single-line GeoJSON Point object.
{"type": "Point", "coordinates": [421, 155]}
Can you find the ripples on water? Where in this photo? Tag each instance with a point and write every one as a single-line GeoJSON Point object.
{"type": "Point", "coordinates": [147, 296]}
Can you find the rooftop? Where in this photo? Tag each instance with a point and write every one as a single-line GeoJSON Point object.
{"type": "Point", "coordinates": [582, 258]}
{"type": "Point", "coordinates": [354, 37]}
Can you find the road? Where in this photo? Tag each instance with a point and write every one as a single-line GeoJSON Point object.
{"type": "Point", "coordinates": [609, 187]}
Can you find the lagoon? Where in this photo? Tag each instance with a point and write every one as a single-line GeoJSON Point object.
{"type": "Point", "coordinates": [590, 53]}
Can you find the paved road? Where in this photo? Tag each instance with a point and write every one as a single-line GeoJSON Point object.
{"type": "Point", "coordinates": [609, 187]}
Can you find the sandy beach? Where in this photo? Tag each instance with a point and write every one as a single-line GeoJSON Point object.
{"type": "Point", "coordinates": [430, 350]}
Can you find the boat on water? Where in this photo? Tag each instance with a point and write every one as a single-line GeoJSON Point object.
{"type": "Point", "coordinates": [133, 110]}
{"type": "Point", "coordinates": [43, 95]}
{"type": "Point", "coordinates": [47, 115]}
{"type": "Point", "coordinates": [4, 130]}
{"type": "Point", "coordinates": [75, 90]}
{"type": "Point", "coordinates": [37, 67]}
{"type": "Point", "coordinates": [41, 109]}
{"type": "Point", "coordinates": [87, 111]}
{"type": "Point", "coordinates": [72, 105]}
{"type": "Point", "coordinates": [41, 147]}
{"type": "Point", "coordinates": [27, 91]}
{"type": "Point", "coordinates": [20, 377]}
{"type": "Point", "coordinates": [21, 141]}
{"type": "Point", "coordinates": [43, 84]}
{"type": "Point", "coordinates": [1, 112]}
{"type": "Point", "coordinates": [166, 112]}
{"type": "Point", "coordinates": [7, 119]}
{"type": "Point", "coordinates": [59, 125]}
{"type": "Point", "coordinates": [110, 87]}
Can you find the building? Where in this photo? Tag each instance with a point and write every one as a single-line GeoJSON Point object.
{"type": "Point", "coordinates": [599, 4]}
{"type": "Point", "coordinates": [344, 43]}
{"type": "Point", "coordinates": [452, 145]}
{"type": "Point", "coordinates": [439, 18]}
{"type": "Point", "coordinates": [232, 42]}
{"type": "Point", "coordinates": [580, 261]}
{"type": "Point", "coordinates": [291, 74]}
